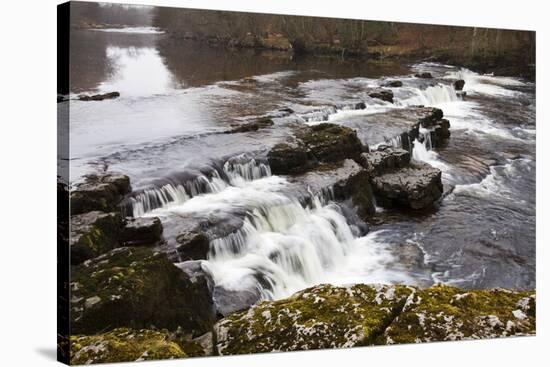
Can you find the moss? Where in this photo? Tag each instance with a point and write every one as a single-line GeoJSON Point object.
{"type": "Point", "coordinates": [138, 288]}
{"type": "Point", "coordinates": [319, 317]}
{"type": "Point", "coordinates": [448, 313]}
{"type": "Point", "coordinates": [124, 345]}
{"type": "Point", "coordinates": [333, 317]}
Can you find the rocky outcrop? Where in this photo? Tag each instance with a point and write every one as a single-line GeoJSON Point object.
{"type": "Point", "coordinates": [99, 193]}
{"type": "Point", "coordinates": [124, 345]}
{"type": "Point", "coordinates": [385, 159]}
{"type": "Point", "coordinates": [192, 245]}
{"type": "Point", "coordinates": [93, 234]}
{"type": "Point", "coordinates": [383, 94]}
{"type": "Point", "coordinates": [327, 316]}
{"type": "Point", "coordinates": [357, 187]}
{"type": "Point", "coordinates": [331, 143]}
{"type": "Point", "coordinates": [289, 158]}
{"type": "Point", "coordinates": [144, 231]}
{"type": "Point", "coordinates": [99, 97]}
{"type": "Point", "coordinates": [417, 186]}
{"type": "Point", "coordinates": [325, 143]}
{"type": "Point", "coordinates": [459, 84]}
{"type": "Point", "coordinates": [137, 288]}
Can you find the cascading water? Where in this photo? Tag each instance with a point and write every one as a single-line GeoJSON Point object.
{"type": "Point", "coordinates": [431, 96]}
{"type": "Point", "coordinates": [291, 247]}
{"type": "Point", "coordinates": [234, 173]}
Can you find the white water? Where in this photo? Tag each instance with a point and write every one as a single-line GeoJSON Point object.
{"type": "Point", "coordinates": [136, 30]}
{"type": "Point", "coordinates": [285, 244]}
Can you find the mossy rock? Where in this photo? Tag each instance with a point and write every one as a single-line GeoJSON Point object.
{"type": "Point", "coordinates": [93, 234]}
{"type": "Point", "coordinates": [124, 345]}
{"type": "Point", "coordinates": [447, 313]}
{"type": "Point", "coordinates": [327, 316]}
{"type": "Point", "coordinates": [320, 317]}
{"type": "Point", "coordinates": [137, 288]}
{"type": "Point", "coordinates": [101, 193]}
{"type": "Point", "coordinates": [331, 143]}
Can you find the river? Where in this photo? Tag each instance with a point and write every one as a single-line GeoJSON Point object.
{"type": "Point", "coordinates": [165, 132]}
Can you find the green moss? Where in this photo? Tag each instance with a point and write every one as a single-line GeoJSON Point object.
{"type": "Point", "coordinates": [333, 317]}
{"type": "Point", "coordinates": [319, 317]}
{"type": "Point", "coordinates": [124, 345]}
{"type": "Point", "coordinates": [449, 313]}
{"type": "Point", "coordinates": [137, 288]}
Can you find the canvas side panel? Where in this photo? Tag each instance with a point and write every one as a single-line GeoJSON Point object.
{"type": "Point", "coordinates": [63, 261]}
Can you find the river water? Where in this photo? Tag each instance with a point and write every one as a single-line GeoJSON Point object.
{"type": "Point", "coordinates": [166, 132]}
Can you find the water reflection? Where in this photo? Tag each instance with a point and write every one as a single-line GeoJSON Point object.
{"type": "Point", "coordinates": [137, 71]}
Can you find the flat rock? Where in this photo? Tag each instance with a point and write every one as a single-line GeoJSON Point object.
{"type": "Point", "coordinates": [385, 159]}
{"type": "Point", "coordinates": [417, 186]}
{"type": "Point", "coordinates": [383, 94]}
{"type": "Point", "coordinates": [142, 231]}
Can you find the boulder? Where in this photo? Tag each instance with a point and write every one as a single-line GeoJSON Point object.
{"type": "Point", "coordinates": [99, 97]}
{"type": "Point", "coordinates": [93, 234]}
{"type": "Point", "coordinates": [385, 159]}
{"type": "Point", "coordinates": [459, 84]}
{"type": "Point", "coordinates": [331, 143]}
{"type": "Point", "coordinates": [428, 116]}
{"type": "Point", "coordinates": [383, 94]}
{"type": "Point", "coordinates": [192, 245]}
{"type": "Point", "coordinates": [441, 133]}
{"type": "Point", "coordinates": [99, 193]}
{"type": "Point", "coordinates": [137, 288]}
{"type": "Point", "coordinates": [357, 187]}
{"type": "Point", "coordinates": [393, 84]}
{"type": "Point", "coordinates": [417, 186]}
{"type": "Point", "coordinates": [143, 231]}
{"type": "Point", "coordinates": [327, 316]}
{"type": "Point", "coordinates": [424, 75]}
{"type": "Point", "coordinates": [124, 345]}
{"type": "Point", "coordinates": [289, 158]}
{"type": "Point", "coordinates": [228, 301]}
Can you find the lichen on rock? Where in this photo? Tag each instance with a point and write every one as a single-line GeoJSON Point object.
{"type": "Point", "coordinates": [124, 345]}
{"type": "Point", "coordinates": [327, 316]}
{"type": "Point", "coordinates": [138, 288]}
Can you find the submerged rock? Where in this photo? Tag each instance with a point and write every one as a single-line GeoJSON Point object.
{"type": "Point", "coordinates": [417, 186]}
{"type": "Point", "coordinates": [99, 193]}
{"type": "Point", "coordinates": [327, 316]}
{"type": "Point", "coordinates": [144, 231]}
{"type": "Point", "coordinates": [459, 84]}
{"type": "Point", "coordinates": [385, 159]}
{"type": "Point", "coordinates": [93, 234]}
{"type": "Point", "coordinates": [251, 126]}
{"type": "Point", "coordinates": [383, 94]}
{"type": "Point", "coordinates": [99, 97]}
{"type": "Point", "coordinates": [137, 288]}
{"type": "Point", "coordinates": [124, 345]}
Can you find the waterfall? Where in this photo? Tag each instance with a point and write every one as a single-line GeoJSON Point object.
{"type": "Point", "coordinates": [431, 96]}
{"type": "Point", "coordinates": [235, 172]}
